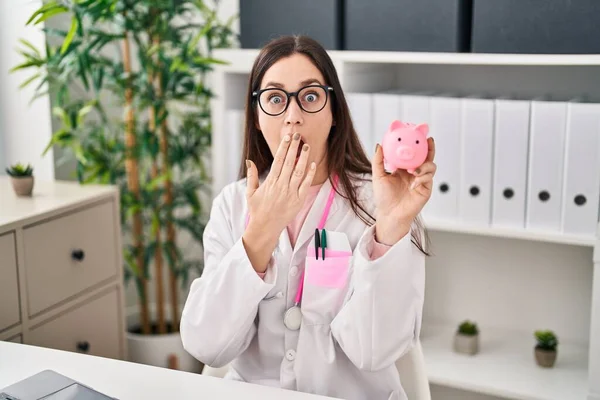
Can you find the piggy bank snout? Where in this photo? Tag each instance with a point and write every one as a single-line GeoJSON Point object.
{"type": "Point", "coordinates": [405, 152]}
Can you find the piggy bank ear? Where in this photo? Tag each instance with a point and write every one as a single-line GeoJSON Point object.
{"type": "Point", "coordinates": [396, 125]}
{"type": "Point", "coordinates": [423, 129]}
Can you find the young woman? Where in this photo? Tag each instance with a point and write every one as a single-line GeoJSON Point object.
{"type": "Point", "coordinates": [271, 303]}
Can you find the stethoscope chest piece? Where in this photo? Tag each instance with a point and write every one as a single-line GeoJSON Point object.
{"type": "Point", "coordinates": [293, 318]}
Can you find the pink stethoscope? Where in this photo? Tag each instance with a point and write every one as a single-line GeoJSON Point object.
{"type": "Point", "coordinates": [292, 318]}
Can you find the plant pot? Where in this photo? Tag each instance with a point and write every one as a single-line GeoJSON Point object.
{"type": "Point", "coordinates": [23, 186]}
{"type": "Point", "coordinates": [164, 350]}
{"type": "Point", "coordinates": [466, 344]}
{"type": "Point", "coordinates": [545, 358]}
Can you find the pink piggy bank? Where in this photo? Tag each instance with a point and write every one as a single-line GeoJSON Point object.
{"type": "Point", "coordinates": [405, 146]}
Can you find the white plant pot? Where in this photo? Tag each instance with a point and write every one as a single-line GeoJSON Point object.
{"type": "Point", "coordinates": [158, 350]}
{"type": "Point", "coordinates": [466, 344]}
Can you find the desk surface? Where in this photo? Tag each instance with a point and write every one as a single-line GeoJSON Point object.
{"type": "Point", "coordinates": [127, 380]}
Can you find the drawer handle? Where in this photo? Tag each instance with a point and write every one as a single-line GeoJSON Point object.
{"type": "Point", "coordinates": [78, 254]}
{"type": "Point", "coordinates": [83, 346]}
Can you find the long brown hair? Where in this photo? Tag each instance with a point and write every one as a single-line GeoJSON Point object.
{"type": "Point", "coordinates": [345, 155]}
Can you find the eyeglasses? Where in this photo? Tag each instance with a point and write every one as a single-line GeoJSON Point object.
{"type": "Point", "coordinates": [311, 98]}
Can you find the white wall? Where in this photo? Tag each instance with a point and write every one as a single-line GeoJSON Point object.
{"type": "Point", "coordinates": [25, 129]}
{"type": "Point", "coordinates": [227, 8]}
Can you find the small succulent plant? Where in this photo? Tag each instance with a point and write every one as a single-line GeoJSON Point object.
{"type": "Point", "coordinates": [546, 340]}
{"type": "Point", "coordinates": [468, 328]}
{"type": "Point", "coordinates": [19, 170]}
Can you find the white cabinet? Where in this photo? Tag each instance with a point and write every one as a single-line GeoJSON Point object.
{"type": "Point", "coordinates": [60, 267]}
{"type": "Point", "coordinates": [10, 313]}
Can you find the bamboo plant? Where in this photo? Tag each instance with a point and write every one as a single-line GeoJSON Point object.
{"type": "Point", "coordinates": [140, 120]}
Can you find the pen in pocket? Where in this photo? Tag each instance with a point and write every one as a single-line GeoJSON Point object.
{"type": "Point", "coordinates": [317, 244]}
{"type": "Point", "coordinates": [324, 243]}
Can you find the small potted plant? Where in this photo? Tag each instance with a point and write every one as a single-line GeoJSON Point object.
{"type": "Point", "coordinates": [545, 349]}
{"type": "Point", "coordinates": [21, 178]}
{"type": "Point", "coordinates": [466, 339]}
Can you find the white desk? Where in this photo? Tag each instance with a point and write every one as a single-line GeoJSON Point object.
{"type": "Point", "coordinates": [126, 380]}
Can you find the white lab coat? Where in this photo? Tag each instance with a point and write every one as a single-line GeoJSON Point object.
{"type": "Point", "coordinates": [350, 336]}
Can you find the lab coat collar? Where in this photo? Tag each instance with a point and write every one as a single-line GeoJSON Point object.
{"type": "Point", "coordinates": [314, 216]}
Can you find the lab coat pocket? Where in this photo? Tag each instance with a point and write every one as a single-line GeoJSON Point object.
{"type": "Point", "coordinates": [332, 272]}
{"type": "Point", "coordinates": [326, 281]}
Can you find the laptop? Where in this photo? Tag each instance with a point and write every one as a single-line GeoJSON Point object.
{"type": "Point", "coordinates": [50, 385]}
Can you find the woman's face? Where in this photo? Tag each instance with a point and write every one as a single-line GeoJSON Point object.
{"type": "Point", "coordinates": [291, 74]}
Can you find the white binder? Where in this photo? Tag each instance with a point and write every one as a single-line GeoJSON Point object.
{"type": "Point", "coordinates": [416, 107]}
{"type": "Point", "coordinates": [360, 105]}
{"type": "Point", "coordinates": [235, 137]}
{"type": "Point", "coordinates": [581, 184]}
{"type": "Point", "coordinates": [545, 166]}
{"type": "Point", "coordinates": [445, 128]}
{"type": "Point", "coordinates": [387, 107]}
{"type": "Point", "coordinates": [477, 133]}
{"type": "Point", "coordinates": [511, 146]}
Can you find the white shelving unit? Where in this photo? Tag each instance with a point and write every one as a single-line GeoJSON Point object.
{"type": "Point", "coordinates": [510, 281]}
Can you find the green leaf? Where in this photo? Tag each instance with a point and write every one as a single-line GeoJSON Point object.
{"type": "Point", "coordinates": [149, 253]}
{"type": "Point", "coordinates": [31, 46]}
{"type": "Point", "coordinates": [207, 27]}
{"type": "Point", "coordinates": [48, 6]}
{"type": "Point", "coordinates": [29, 80]}
{"type": "Point", "coordinates": [62, 114]}
{"type": "Point", "coordinates": [83, 71]}
{"type": "Point", "coordinates": [79, 154]}
{"type": "Point", "coordinates": [158, 181]}
{"type": "Point", "coordinates": [62, 137]}
{"type": "Point", "coordinates": [51, 13]}
{"type": "Point", "coordinates": [27, 65]}
{"type": "Point", "coordinates": [208, 61]}
{"type": "Point", "coordinates": [83, 112]}
{"type": "Point", "coordinates": [152, 50]}
{"type": "Point", "coordinates": [70, 35]}
{"type": "Point", "coordinates": [54, 32]}
{"type": "Point", "coordinates": [97, 78]}
{"type": "Point", "coordinates": [171, 250]}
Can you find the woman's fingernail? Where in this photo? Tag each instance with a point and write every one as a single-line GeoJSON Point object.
{"type": "Point", "coordinates": [248, 164]}
{"type": "Point", "coordinates": [305, 147]}
{"type": "Point", "coordinates": [286, 138]}
{"type": "Point", "coordinates": [296, 136]}
{"type": "Point", "coordinates": [418, 170]}
{"type": "Point", "coordinates": [312, 165]}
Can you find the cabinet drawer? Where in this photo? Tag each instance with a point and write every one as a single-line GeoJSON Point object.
{"type": "Point", "coordinates": [69, 254]}
{"type": "Point", "coordinates": [10, 313]}
{"type": "Point", "coordinates": [92, 328]}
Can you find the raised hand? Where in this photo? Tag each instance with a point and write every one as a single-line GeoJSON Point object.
{"type": "Point", "coordinates": [275, 203]}
{"type": "Point", "coordinates": [400, 196]}
{"type": "Point", "coordinates": [278, 200]}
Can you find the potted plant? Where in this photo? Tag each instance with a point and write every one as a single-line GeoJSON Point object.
{"type": "Point", "coordinates": [545, 348]}
{"type": "Point", "coordinates": [139, 120]}
{"type": "Point", "coordinates": [466, 339]}
{"type": "Point", "coordinates": [21, 177]}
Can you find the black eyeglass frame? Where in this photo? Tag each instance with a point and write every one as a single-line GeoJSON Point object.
{"type": "Point", "coordinates": [257, 93]}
